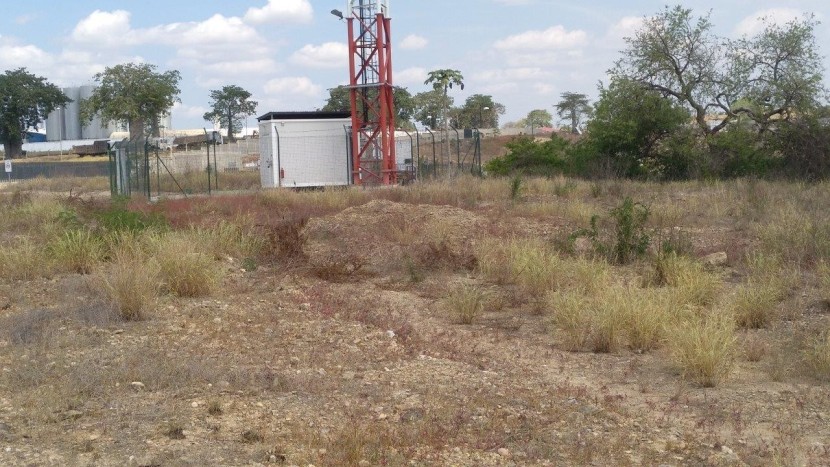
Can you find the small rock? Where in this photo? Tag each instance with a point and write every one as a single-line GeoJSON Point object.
{"type": "Point", "coordinates": [726, 450]}
{"type": "Point", "coordinates": [194, 404]}
{"type": "Point", "coordinates": [412, 415]}
{"type": "Point", "coordinates": [349, 375]}
{"type": "Point", "coordinates": [72, 414]}
{"type": "Point", "coordinates": [118, 331]}
{"type": "Point", "coordinates": [390, 333]}
{"type": "Point", "coordinates": [383, 416]}
{"type": "Point", "coordinates": [137, 385]}
{"type": "Point", "coordinates": [504, 452]}
{"type": "Point", "coordinates": [321, 372]}
{"type": "Point", "coordinates": [716, 259]}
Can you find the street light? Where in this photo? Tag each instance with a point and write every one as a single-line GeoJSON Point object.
{"type": "Point", "coordinates": [480, 115]}
{"type": "Point", "coordinates": [337, 13]}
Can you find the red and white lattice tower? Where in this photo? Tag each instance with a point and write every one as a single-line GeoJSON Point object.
{"type": "Point", "coordinates": [370, 85]}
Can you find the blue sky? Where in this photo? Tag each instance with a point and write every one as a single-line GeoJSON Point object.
{"type": "Point", "coordinates": [524, 53]}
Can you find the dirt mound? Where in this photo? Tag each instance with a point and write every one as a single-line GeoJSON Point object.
{"type": "Point", "coordinates": [381, 236]}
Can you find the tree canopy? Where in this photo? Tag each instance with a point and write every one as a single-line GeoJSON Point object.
{"type": "Point", "coordinates": [134, 94]}
{"type": "Point", "coordinates": [777, 72]}
{"type": "Point", "coordinates": [404, 104]}
{"type": "Point", "coordinates": [538, 118]}
{"type": "Point", "coordinates": [572, 108]}
{"type": "Point", "coordinates": [429, 107]}
{"type": "Point", "coordinates": [479, 111]}
{"type": "Point", "coordinates": [25, 101]}
{"type": "Point", "coordinates": [230, 105]}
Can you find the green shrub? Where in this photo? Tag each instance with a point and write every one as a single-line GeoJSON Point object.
{"type": "Point", "coordinates": [629, 239]}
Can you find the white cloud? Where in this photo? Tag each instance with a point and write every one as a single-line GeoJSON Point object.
{"type": "Point", "coordinates": [555, 37]}
{"type": "Point", "coordinates": [25, 19]}
{"type": "Point", "coordinates": [292, 86]}
{"type": "Point", "coordinates": [327, 55]}
{"type": "Point", "coordinates": [414, 42]}
{"type": "Point", "coordinates": [513, 74]}
{"type": "Point", "coordinates": [104, 29]}
{"type": "Point", "coordinates": [281, 11]}
{"type": "Point", "coordinates": [414, 75]}
{"type": "Point", "coordinates": [625, 27]}
{"type": "Point", "coordinates": [754, 23]}
{"type": "Point", "coordinates": [189, 111]}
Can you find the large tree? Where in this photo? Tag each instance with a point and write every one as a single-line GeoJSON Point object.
{"type": "Point", "coordinates": [538, 118]}
{"type": "Point", "coordinates": [230, 105]}
{"type": "Point", "coordinates": [480, 111]}
{"type": "Point", "coordinates": [25, 100]}
{"type": "Point", "coordinates": [677, 54]}
{"type": "Point", "coordinates": [572, 108]}
{"type": "Point", "coordinates": [134, 94]}
{"type": "Point", "coordinates": [429, 107]}
{"type": "Point", "coordinates": [404, 104]}
{"type": "Point", "coordinates": [630, 123]}
{"type": "Point", "coordinates": [443, 80]}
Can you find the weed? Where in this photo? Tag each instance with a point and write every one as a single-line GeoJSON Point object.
{"type": "Point", "coordinates": [466, 302]}
{"type": "Point", "coordinates": [629, 239]}
{"type": "Point", "coordinates": [816, 355]}
{"type": "Point", "coordinates": [286, 240]}
{"type": "Point", "coordinates": [214, 408]}
{"type": "Point", "coordinates": [564, 190]}
{"type": "Point", "coordinates": [516, 188]}
{"type": "Point", "coordinates": [77, 251]}
{"type": "Point", "coordinates": [130, 284]}
{"type": "Point", "coordinates": [186, 271]}
{"type": "Point", "coordinates": [754, 348]}
{"type": "Point", "coordinates": [704, 348]}
{"type": "Point", "coordinates": [249, 264]}
{"type": "Point", "coordinates": [251, 437]}
{"type": "Point", "coordinates": [174, 431]}
{"type": "Point", "coordinates": [118, 218]}
{"type": "Point", "coordinates": [32, 326]}
{"type": "Point", "coordinates": [570, 315]}
{"type": "Point", "coordinates": [754, 305]}
{"type": "Point", "coordinates": [339, 268]}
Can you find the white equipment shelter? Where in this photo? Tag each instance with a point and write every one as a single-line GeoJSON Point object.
{"type": "Point", "coordinates": [304, 149]}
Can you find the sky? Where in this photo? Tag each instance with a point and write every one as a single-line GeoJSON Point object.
{"type": "Point", "coordinates": [287, 53]}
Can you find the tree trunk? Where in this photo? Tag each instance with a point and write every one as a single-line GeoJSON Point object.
{"type": "Point", "coordinates": [230, 127]}
{"type": "Point", "coordinates": [136, 128]}
{"type": "Point", "coordinates": [13, 149]}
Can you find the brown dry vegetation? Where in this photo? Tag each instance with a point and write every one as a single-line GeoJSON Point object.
{"type": "Point", "coordinates": [441, 323]}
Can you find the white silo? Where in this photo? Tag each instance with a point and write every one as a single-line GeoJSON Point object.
{"type": "Point", "coordinates": [72, 115]}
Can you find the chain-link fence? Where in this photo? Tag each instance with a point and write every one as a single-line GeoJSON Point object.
{"type": "Point", "coordinates": [439, 154]}
{"type": "Point", "coordinates": [141, 167]}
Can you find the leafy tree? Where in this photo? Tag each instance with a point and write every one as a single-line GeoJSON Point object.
{"type": "Point", "coordinates": [339, 100]}
{"type": "Point", "coordinates": [230, 106]}
{"type": "Point", "coordinates": [527, 156]}
{"type": "Point", "coordinates": [572, 108]}
{"type": "Point", "coordinates": [25, 100]}
{"type": "Point", "coordinates": [630, 122]}
{"type": "Point", "coordinates": [778, 71]}
{"type": "Point", "coordinates": [480, 111]}
{"type": "Point", "coordinates": [538, 118]}
{"type": "Point", "coordinates": [134, 94]}
{"type": "Point", "coordinates": [444, 80]}
{"type": "Point", "coordinates": [430, 105]}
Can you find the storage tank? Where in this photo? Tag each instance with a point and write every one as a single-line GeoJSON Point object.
{"type": "Point", "coordinates": [93, 129]}
{"type": "Point", "coordinates": [72, 116]}
{"type": "Point", "coordinates": [54, 124]}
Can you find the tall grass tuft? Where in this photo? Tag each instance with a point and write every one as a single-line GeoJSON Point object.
{"type": "Point", "coordinates": [466, 302]}
{"type": "Point", "coordinates": [754, 305]}
{"type": "Point", "coordinates": [704, 348]}
{"type": "Point", "coordinates": [77, 250]}
{"type": "Point", "coordinates": [186, 270]}
{"type": "Point", "coordinates": [816, 355]}
{"type": "Point", "coordinates": [571, 316]}
{"type": "Point", "coordinates": [24, 259]}
{"type": "Point", "coordinates": [130, 283]}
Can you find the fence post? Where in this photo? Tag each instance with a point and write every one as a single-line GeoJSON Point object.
{"type": "Point", "coordinates": [457, 151]}
{"type": "Point", "coordinates": [434, 164]}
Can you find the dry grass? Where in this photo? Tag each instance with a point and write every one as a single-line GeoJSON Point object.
{"type": "Point", "coordinates": [465, 302]}
{"type": "Point", "coordinates": [130, 283]}
{"type": "Point", "coordinates": [816, 355]}
{"type": "Point", "coordinates": [754, 305]}
{"type": "Point", "coordinates": [77, 251]}
{"type": "Point", "coordinates": [704, 349]}
{"type": "Point", "coordinates": [185, 269]}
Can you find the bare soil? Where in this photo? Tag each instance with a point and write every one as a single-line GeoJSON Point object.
{"type": "Point", "coordinates": [349, 358]}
